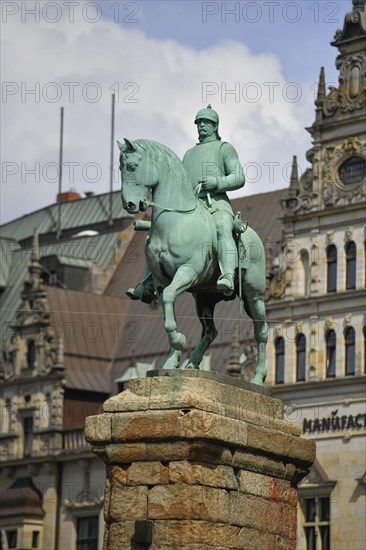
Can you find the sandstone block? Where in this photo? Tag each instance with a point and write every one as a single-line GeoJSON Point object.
{"type": "Point", "coordinates": [188, 502]}
{"type": "Point", "coordinates": [177, 424]}
{"type": "Point", "coordinates": [123, 454]}
{"type": "Point", "coordinates": [121, 533]}
{"type": "Point", "coordinates": [178, 533]}
{"type": "Point", "coordinates": [295, 449]}
{"type": "Point", "coordinates": [128, 503]}
{"type": "Point", "coordinates": [267, 487]}
{"type": "Point", "coordinates": [117, 475]}
{"type": "Point", "coordinates": [261, 464]}
{"type": "Point", "coordinates": [202, 474]}
{"type": "Point", "coordinates": [147, 473]}
{"type": "Point", "coordinates": [98, 428]}
{"type": "Point", "coordinates": [265, 515]}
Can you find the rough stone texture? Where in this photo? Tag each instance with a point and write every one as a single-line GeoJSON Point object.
{"type": "Point", "coordinates": [197, 463]}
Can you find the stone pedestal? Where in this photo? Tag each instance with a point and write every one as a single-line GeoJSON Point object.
{"type": "Point", "coordinates": [198, 461]}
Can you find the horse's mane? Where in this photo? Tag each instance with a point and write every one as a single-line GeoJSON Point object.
{"type": "Point", "coordinates": [162, 154]}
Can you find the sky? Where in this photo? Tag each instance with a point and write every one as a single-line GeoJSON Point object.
{"type": "Point", "coordinates": [257, 62]}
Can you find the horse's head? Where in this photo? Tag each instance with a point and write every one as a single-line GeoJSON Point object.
{"type": "Point", "coordinates": [138, 173]}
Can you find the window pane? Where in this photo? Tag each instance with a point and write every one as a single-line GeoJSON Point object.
{"type": "Point", "coordinates": [87, 532]}
{"type": "Point", "coordinates": [332, 268]}
{"type": "Point", "coordinates": [324, 509]}
{"type": "Point", "coordinates": [350, 338]}
{"type": "Point", "coordinates": [11, 539]}
{"type": "Point", "coordinates": [310, 538]}
{"type": "Point", "coordinates": [28, 435]}
{"type": "Point", "coordinates": [35, 539]}
{"type": "Point", "coordinates": [300, 358]}
{"type": "Point", "coordinates": [331, 341]}
{"type": "Point", "coordinates": [351, 265]}
{"type": "Point", "coordinates": [310, 509]}
{"type": "Point", "coordinates": [325, 537]}
{"type": "Point", "coordinates": [280, 361]}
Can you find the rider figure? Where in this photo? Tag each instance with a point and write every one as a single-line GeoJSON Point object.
{"type": "Point", "coordinates": [215, 166]}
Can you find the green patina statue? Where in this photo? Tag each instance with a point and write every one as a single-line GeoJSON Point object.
{"type": "Point", "coordinates": [190, 244]}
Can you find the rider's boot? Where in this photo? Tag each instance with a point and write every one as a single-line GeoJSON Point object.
{"type": "Point", "coordinates": [143, 291]}
{"type": "Point", "coordinates": [227, 260]}
{"type": "Point", "coordinates": [225, 283]}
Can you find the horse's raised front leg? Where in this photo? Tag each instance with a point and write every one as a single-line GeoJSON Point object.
{"type": "Point", "coordinates": [205, 305]}
{"type": "Point", "coordinates": [183, 279]}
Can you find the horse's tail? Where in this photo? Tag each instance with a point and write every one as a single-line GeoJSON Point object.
{"type": "Point", "coordinates": [253, 259]}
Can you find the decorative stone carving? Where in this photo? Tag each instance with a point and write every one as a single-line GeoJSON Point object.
{"type": "Point", "coordinates": [299, 327]}
{"type": "Point", "coordinates": [330, 236]}
{"type": "Point", "coordinates": [349, 233]}
{"type": "Point", "coordinates": [278, 331]}
{"type": "Point", "coordinates": [276, 289]}
{"type": "Point", "coordinates": [347, 320]}
{"type": "Point", "coordinates": [329, 324]}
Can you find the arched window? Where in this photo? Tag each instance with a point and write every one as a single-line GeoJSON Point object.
{"type": "Point", "coordinates": [331, 343]}
{"type": "Point", "coordinates": [300, 358]}
{"type": "Point", "coordinates": [351, 265]}
{"type": "Point", "coordinates": [350, 351]}
{"type": "Point", "coordinates": [280, 360]}
{"type": "Point", "coordinates": [332, 268]}
{"type": "Point", "coordinates": [31, 354]}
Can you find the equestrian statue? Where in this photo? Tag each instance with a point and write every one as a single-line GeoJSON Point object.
{"type": "Point", "coordinates": [195, 243]}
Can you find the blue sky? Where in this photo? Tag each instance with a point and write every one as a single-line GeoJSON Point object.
{"type": "Point", "coordinates": [164, 59]}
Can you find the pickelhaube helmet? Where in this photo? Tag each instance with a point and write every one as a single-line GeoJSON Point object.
{"type": "Point", "coordinates": [207, 113]}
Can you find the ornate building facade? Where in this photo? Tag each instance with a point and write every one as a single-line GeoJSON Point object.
{"type": "Point", "coordinates": [317, 303]}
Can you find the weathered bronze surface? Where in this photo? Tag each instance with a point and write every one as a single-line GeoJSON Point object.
{"type": "Point", "coordinates": [193, 243]}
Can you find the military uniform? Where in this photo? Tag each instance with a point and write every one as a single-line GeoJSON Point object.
{"type": "Point", "coordinates": [217, 162]}
{"type": "Point", "coordinates": [215, 166]}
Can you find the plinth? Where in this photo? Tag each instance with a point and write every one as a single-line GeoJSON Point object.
{"type": "Point", "coordinates": [198, 461]}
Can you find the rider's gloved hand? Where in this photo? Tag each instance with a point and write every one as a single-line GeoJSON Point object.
{"type": "Point", "coordinates": [209, 183]}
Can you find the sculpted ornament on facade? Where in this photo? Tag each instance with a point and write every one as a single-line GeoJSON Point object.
{"type": "Point", "coordinates": [351, 94]}
{"type": "Point", "coordinates": [335, 193]}
{"type": "Point", "coordinates": [276, 289]}
{"type": "Point", "coordinates": [329, 324]}
{"type": "Point", "coordinates": [349, 233]}
{"type": "Point", "coordinates": [278, 331]}
{"type": "Point", "coordinates": [347, 320]}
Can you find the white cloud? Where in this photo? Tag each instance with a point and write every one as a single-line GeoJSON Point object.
{"type": "Point", "coordinates": [159, 83]}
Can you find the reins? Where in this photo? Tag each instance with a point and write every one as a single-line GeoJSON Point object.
{"type": "Point", "coordinates": [157, 205]}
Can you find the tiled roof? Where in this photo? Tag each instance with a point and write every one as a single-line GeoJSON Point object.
{"type": "Point", "coordinates": [91, 326]}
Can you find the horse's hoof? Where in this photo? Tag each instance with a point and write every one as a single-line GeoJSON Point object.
{"type": "Point", "coordinates": [191, 366]}
{"type": "Point", "coordinates": [257, 380]}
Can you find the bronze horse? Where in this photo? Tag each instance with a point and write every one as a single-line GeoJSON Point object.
{"type": "Point", "coordinates": [181, 249]}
